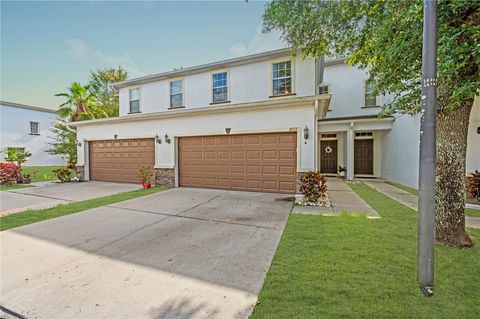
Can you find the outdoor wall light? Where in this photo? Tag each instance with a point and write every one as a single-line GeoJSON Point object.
{"type": "Point", "coordinates": [157, 139]}
{"type": "Point", "coordinates": [167, 139]}
{"type": "Point", "coordinates": [305, 133]}
{"type": "Point", "coordinates": [78, 143]}
{"type": "Point", "coordinates": [227, 130]}
{"type": "Point", "coordinates": [115, 136]}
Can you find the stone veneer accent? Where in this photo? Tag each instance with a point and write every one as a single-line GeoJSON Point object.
{"type": "Point", "coordinates": [80, 172]}
{"type": "Point", "coordinates": [165, 177]}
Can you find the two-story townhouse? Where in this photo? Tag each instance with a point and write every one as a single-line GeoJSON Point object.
{"type": "Point", "coordinates": [27, 128]}
{"type": "Point", "coordinates": [253, 123]}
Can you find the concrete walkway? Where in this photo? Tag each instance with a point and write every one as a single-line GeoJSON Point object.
{"type": "Point", "coordinates": [342, 198]}
{"type": "Point", "coordinates": [408, 199]}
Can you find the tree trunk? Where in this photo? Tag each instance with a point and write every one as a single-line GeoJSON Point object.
{"type": "Point", "coordinates": [452, 132]}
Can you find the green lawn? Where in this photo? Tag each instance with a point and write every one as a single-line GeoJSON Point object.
{"type": "Point", "coordinates": [33, 216]}
{"type": "Point", "coordinates": [468, 211]}
{"type": "Point", "coordinates": [41, 173]}
{"type": "Point", "coordinates": [14, 186]}
{"type": "Point", "coordinates": [354, 267]}
{"type": "Point", "coordinates": [472, 212]}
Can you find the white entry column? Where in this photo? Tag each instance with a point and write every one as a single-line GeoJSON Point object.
{"type": "Point", "coordinates": [350, 152]}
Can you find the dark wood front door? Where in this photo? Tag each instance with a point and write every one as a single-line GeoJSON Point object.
{"type": "Point", "coordinates": [328, 156]}
{"type": "Point", "coordinates": [363, 157]}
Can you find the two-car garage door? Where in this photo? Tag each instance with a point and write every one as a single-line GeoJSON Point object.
{"type": "Point", "coordinates": [249, 162]}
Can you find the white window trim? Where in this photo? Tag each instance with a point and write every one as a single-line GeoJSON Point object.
{"type": "Point", "coordinates": [228, 86]}
{"type": "Point", "coordinates": [292, 66]}
{"type": "Point", "coordinates": [139, 100]}
{"type": "Point", "coordinates": [30, 128]}
{"type": "Point", "coordinates": [364, 94]}
{"type": "Point", "coordinates": [170, 107]}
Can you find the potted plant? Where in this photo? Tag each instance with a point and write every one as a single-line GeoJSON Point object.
{"type": "Point", "coordinates": [145, 175]}
{"type": "Point", "coordinates": [342, 171]}
{"type": "Point", "coordinates": [26, 179]}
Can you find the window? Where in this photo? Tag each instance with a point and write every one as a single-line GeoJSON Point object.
{"type": "Point", "coordinates": [370, 97]}
{"type": "Point", "coordinates": [282, 78]}
{"type": "Point", "coordinates": [34, 128]}
{"type": "Point", "coordinates": [135, 100]}
{"type": "Point", "coordinates": [220, 88]}
{"type": "Point", "coordinates": [363, 134]}
{"type": "Point", "coordinates": [176, 93]}
{"type": "Point", "coordinates": [323, 89]}
{"type": "Point", "coordinates": [329, 135]}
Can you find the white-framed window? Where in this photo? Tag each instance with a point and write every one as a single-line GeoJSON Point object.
{"type": "Point", "coordinates": [323, 89]}
{"type": "Point", "coordinates": [34, 128]}
{"type": "Point", "coordinates": [363, 134]}
{"type": "Point", "coordinates": [220, 87]}
{"type": "Point", "coordinates": [282, 78]}
{"type": "Point", "coordinates": [176, 94]}
{"type": "Point", "coordinates": [134, 100]}
{"type": "Point", "coordinates": [370, 97]}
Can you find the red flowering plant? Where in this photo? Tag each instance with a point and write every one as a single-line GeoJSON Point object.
{"type": "Point", "coordinates": [10, 173]}
{"type": "Point", "coordinates": [64, 174]}
{"type": "Point", "coordinates": [313, 186]}
{"type": "Point", "coordinates": [473, 185]}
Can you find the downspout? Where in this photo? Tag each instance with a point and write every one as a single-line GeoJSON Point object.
{"type": "Point", "coordinates": [315, 138]}
{"type": "Point", "coordinates": [319, 70]}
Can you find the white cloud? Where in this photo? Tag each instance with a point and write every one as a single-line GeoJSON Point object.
{"type": "Point", "coordinates": [80, 49]}
{"type": "Point", "coordinates": [260, 42]}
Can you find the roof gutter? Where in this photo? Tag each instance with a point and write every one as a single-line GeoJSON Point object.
{"type": "Point", "coordinates": [322, 100]}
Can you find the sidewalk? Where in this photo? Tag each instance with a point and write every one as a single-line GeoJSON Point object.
{"type": "Point", "coordinates": [342, 198]}
{"type": "Point", "coordinates": [407, 199]}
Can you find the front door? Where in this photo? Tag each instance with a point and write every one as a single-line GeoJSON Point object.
{"type": "Point", "coordinates": [363, 157]}
{"type": "Point", "coordinates": [328, 156]}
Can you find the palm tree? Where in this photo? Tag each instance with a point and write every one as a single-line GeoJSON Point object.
{"type": "Point", "coordinates": [80, 104]}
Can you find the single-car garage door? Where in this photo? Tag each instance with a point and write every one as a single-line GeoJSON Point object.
{"type": "Point", "coordinates": [250, 162]}
{"type": "Point", "coordinates": [120, 160]}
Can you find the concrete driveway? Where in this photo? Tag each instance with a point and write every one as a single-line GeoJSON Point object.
{"type": "Point", "coordinates": [17, 200]}
{"type": "Point", "coordinates": [182, 253]}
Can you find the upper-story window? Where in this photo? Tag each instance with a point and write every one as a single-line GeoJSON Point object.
{"type": "Point", "coordinates": [34, 128]}
{"type": "Point", "coordinates": [282, 78]}
{"type": "Point", "coordinates": [220, 87]}
{"type": "Point", "coordinates": [134, 100]}
{"type": "Point", "coordinates": [370, 97]}
{"type": "Point", "coordinates": [323, 89]}
{"type": "Point", "coordinates": [176, 93]}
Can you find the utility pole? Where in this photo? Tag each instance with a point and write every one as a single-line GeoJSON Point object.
{"type": "Point", "coordinates": [426, 181]}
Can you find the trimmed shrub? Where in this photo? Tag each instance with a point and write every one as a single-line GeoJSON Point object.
{"type": "Point", "coordinates": [473, 185]}
{"type": "Point", "coordinates": [313, 186]}
{"type": "Point", "coordinates": [10, 173]}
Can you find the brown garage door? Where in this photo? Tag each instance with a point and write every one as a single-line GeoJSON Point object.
{"type": "Point", "coordinates": [250, 162]}
{"type": "Point", "coordinates": [120, 160]}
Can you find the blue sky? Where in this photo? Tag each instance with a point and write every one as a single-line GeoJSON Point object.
{"type": "Point", "coordinates": [47, 45]}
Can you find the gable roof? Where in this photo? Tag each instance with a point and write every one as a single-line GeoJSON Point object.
{"type": "Point", "coordinates": [28, 107]}
{"type": "Point", "coordinates": [209, 66]}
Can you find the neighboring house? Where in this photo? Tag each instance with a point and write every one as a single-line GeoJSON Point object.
{"type": "Point", "coordinates": [28, 128]}
{"type": "Point", "coordinates": [253, 123]}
